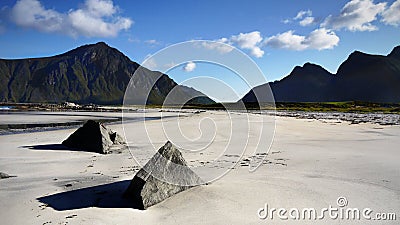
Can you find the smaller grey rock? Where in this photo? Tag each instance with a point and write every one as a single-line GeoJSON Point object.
{"type": "Point", "coordinates": [95, 137]}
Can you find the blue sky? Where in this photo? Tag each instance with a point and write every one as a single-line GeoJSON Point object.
{"type": "Point", "coordinates": [277, 35]}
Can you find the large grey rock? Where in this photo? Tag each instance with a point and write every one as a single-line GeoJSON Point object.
{"type": "Point", "coordinates": [95, 137]}
{"type": "Point", "coordinates": [163, 176]}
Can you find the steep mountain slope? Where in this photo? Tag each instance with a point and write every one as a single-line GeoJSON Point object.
{"type": "Point", "coordinates": [93, 73]}
{"type": "Point", "coordinates": [362, 77]}
{"type": "Point", "coordinates": [371, 78]}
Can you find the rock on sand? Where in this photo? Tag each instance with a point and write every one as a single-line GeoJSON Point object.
{"type": "Point", "coordinates": [163, 176]}
{"type": "Point", "coordinates": [94, 137]}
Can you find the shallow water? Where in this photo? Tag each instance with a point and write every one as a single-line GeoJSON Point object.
{"type": "Point", "coordinates": [34, 121]}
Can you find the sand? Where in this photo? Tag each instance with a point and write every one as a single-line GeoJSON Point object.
{"type": "Point", "coordinates": [310, 164]}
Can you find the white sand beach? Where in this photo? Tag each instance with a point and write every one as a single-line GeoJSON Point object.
{"type": "Point", "coordinates": [310, 164]}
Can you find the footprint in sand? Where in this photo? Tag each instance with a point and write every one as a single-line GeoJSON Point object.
{"type": "Point", "coordinates": [71, 216]}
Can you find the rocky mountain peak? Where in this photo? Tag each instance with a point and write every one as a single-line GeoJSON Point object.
{"type": "Point", "coordinates": [93, 73]}
{"type": "Point", "coordinates": [395, 52]}
{"type": "Point", "coordinates": [361, 77]}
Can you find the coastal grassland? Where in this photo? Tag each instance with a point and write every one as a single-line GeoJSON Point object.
{"type": "Point", "coordinates": [350, 107]}
{"type": "Point", "coordinates": [353, 107]}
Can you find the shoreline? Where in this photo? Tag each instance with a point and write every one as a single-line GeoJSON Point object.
{"type": "Point", "coordinates": [338, 117]}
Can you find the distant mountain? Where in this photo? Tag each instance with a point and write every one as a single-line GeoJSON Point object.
{"type": "Point", "coordinates": [362, 77]}
{"type": "Point", "coordinates": [95, 73]}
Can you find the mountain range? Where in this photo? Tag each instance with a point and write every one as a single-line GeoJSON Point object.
{"type": "Point", "coordinates": [100, 74]}
{"type": "Point", "coordinates": [95, 73]}
{"type": "Point", "coordinates": [361, 77]}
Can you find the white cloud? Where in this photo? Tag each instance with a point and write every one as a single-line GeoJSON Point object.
{"type": "Point", "coordinates": [83, 23]}
{"type": "Point", "coordinates": [356, 15]}
{"type": "Point", "coordinates": [302, 13]}
{"type": "Point", "coordinates": [305, 17]}
{"type": "Point", "coordinates": [95, 18]}
{"type": "Point", "coordinates": [249, 41]}
{"type": "Point", "coordinates": [152, 42]}
{"type": "Point", "coordinates": [31, 13]}
{"type": "Point", "coordinates": [319, 39]}
{"type": "Point", "coordinates": [287, 40]}
{"type": "Point", "coordinates": [391, 16]}
{"type": "Point", "coordinates": [99, 8]}
{"type": "Point", "coordinates": [307, 21]}
{"type": "Point", "coordinates": [222, 45]}
{"type": "Point", "coordinates": [189, 67]}
{"type": "Point", "coordinates": [257, 52]}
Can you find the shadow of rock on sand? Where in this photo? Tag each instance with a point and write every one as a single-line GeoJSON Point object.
{"type": "Point", "coordinates": [50, 147]}
{"type": "Point", "coordinates": [101, 196]}
{"type": "Point", "coordinates": [61, 147]}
